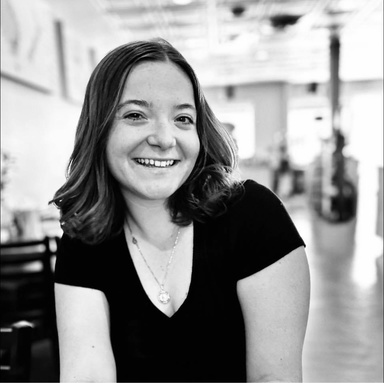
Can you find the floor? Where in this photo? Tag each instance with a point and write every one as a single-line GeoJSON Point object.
{"type": "Point", "coordinates": [344, 341]}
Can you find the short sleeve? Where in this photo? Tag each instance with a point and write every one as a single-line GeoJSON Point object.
{"type": "Point", "coordinates": [79, 264]}
{"type": "Point", "coordinates": [264, 231]}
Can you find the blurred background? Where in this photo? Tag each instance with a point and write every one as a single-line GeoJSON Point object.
{"type": "Point", "coordinates": [298, 83]}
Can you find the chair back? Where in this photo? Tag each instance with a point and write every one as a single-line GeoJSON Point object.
{"type": "Point", "coordinates": [15, 352]}
{"type": "Point", "coordinates": [26, 286]}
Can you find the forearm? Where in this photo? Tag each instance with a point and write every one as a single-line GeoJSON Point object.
{"type": "Point", "coordinates": [273, 372]}
{"type": "Point", "coordinates": [87, 371]}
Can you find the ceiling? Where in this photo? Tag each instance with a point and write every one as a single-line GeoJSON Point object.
{"type": "Point", "coordinates": [238, 41]}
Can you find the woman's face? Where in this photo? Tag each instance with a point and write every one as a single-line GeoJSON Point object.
{"type": "Point", "coordinates": [153, 144]}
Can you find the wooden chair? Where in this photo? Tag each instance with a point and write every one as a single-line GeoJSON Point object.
{"type": "Point", "coordinates": [26, 287]}
{"type": "Point", "coordinates": [15, 352]}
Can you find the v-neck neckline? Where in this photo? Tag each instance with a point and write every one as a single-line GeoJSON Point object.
{"type": "Point", "coordinates": [146, 299]}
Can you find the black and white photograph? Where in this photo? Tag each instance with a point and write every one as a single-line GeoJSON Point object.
{"type": "Point", "coordinates": [191, 191]}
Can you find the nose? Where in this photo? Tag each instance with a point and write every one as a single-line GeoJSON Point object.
{"type": "Point", "coordinates": [162, 136]}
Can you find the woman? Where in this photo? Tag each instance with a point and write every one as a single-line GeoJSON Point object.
{"type": "Point", "coordinates": [168, 269]}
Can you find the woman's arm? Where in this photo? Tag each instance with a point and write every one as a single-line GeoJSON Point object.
{"type": "Point", "coordinates": [275, 303]}
{"type": "Point", "coordinates": [83, 327]}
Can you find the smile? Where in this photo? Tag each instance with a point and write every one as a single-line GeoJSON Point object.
{"type": "Point", "coordinates": [155, 163]}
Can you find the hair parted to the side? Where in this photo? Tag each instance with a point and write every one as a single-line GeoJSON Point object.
{"type": "Point", "coordinates": [91, 204]}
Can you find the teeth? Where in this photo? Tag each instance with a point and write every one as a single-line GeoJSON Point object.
{"type": "Point", "coordinates": [155, 163]}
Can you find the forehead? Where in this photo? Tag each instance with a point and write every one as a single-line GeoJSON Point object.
{"type": "Point", "coordinates": [151, 78]}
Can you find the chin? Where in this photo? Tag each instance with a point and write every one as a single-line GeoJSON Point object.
{"type": "Point", "coordinates": [160, 192]}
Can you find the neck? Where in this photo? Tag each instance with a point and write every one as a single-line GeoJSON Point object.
{"type": "Point", "coordinates": [151, 221]}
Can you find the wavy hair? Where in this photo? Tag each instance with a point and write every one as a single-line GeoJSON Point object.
{"type": "Point", "coordinates": [91, 204]}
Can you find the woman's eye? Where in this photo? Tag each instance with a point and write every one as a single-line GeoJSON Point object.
{"type": "Point", "coordinates": [133, 116]}
{"type": "Point", "coordinates": [185, 120]}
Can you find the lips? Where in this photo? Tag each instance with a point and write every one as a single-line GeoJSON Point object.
{"type": "Point", "coordinates": [154, 163]}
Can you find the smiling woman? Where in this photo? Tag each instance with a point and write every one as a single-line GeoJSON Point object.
{"type": "Point", "coordinates": [153, 144]}
{"type": "Point", "coordinates": [164, 255]}
{"type": "Point", "coordinates": [108, 106]}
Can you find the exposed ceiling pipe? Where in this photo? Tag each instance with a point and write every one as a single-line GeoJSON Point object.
{"type": "Point", "coordinates": [334, 50]}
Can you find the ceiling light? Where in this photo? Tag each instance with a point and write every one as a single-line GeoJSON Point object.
{"type": "Point", "coordinates": [238, 10]}
{"type": "Point", "coordinates": [281, 21]}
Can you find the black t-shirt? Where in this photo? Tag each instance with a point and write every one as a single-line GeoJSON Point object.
{"type": "Point", "coordinates": [204, 340]}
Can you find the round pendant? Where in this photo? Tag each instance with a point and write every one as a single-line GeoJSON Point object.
{"type": "Point", "coordinates": [164, 297]}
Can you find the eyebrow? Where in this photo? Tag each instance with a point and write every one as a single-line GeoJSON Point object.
{"type": "Point", "coordinates": [145, 104]}
{"type": "Point", "coordinates": [142, 103]}
{"type": "Point", "coordinates": [185, 106]}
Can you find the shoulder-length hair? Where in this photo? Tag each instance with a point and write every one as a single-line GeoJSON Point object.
{"type": "Point", "coordinates": [91, 204]}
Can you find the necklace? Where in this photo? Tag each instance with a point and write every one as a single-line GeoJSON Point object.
{"type": "Point", "coordinates": [163, 296]}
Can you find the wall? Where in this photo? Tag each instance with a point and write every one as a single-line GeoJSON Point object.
{"type": "Point", "coordinates": [269, 101]}
{"type": "Point", "coordinates": [37, 129]}
{"type": "Point", "coordinates": [46, 63]}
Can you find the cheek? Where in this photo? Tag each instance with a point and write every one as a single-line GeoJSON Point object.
{"type": "Point", "coordinates": [116, 143]}
{"type": "Point", "coordinates": [109, 151]}
{"type": "Point", "coordinates": [113, 151]}
{"type": "Point", "coordinates": [194, 148]}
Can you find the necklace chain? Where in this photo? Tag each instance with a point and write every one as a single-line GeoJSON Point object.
{"type": "Point", "coordinates": [163, 296]}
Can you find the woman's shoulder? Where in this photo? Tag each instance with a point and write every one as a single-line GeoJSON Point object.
{"type": "Point", "coordinates": [250, 203]}
{"type": "Point", "coordinates": [252, 196]}
{"type": "Point", "coordinates": [260, 229]}
{"type": "Point", "coordinates": [75, 245]}
{"type": "Point", "coordinates": [86, 265]}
